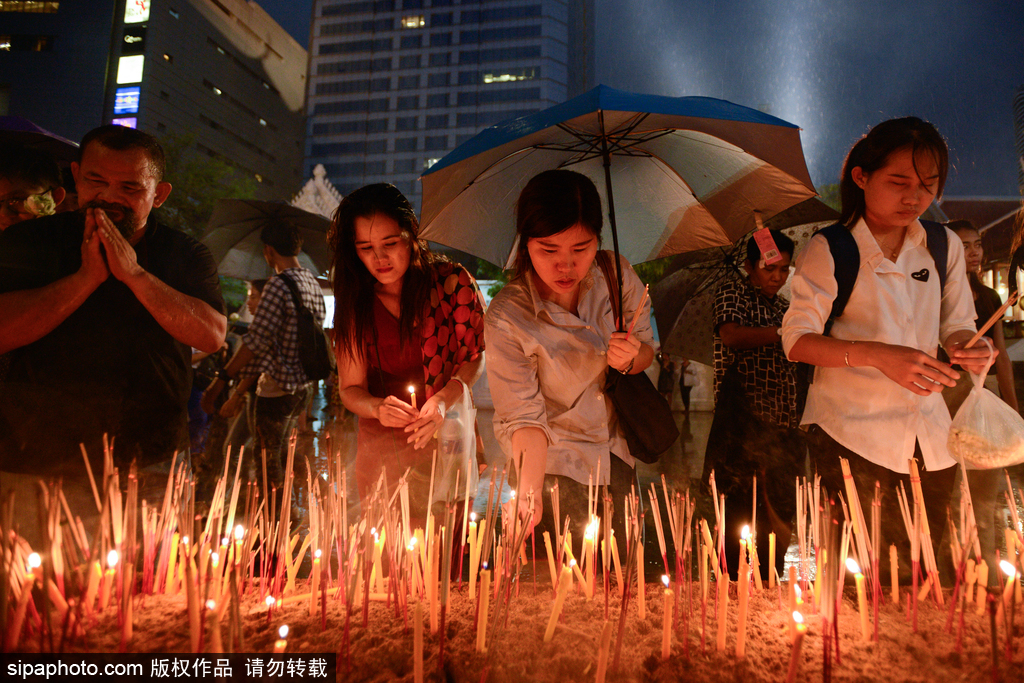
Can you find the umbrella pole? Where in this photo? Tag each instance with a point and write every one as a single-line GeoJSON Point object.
{"type": "Point", "coordinates": [606, 155]}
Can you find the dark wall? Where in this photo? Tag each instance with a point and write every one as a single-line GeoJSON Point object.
{"type": "Point", "coordinates": [60, 89]}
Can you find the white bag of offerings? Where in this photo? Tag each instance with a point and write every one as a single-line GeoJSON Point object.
{"type": "Point", "coordinates": [986, 433]}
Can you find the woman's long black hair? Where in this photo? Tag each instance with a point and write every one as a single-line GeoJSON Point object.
{"type": "Point", "coordinates": [354, 292]}
{"type": "Point", "coordinates": [872, 151]}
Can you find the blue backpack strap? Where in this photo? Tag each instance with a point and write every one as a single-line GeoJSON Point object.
{"type": "Point", "coordinates": [846, 260]}
{"type": "Point", "coordinates": [938, 246]}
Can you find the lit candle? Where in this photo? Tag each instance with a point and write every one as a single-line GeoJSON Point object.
{"type": "Point", "coordinates": [862, 600]}
{"type": "Point", "coordinates": [589, 554]}
{"type": "Point", "coordinates": [1011, 574]}
{"type": "Point", "coordinates": [982, 584]}
{"type": "Point", "coordinates": [108, 580]}
{"type": "Point", "coordinates": [314, 584]}
{"type": "Point", "coordinates": [239, 535]}
{"type": "Point", "coordinates": [771, 560]}
{"type": "Point", "coordinates": [894, 574]}
{"type": "Point", "coordinates": [744, 592]}
{"type": "Point", "coordinates": [215, 574]}
{"type": "Point", "coordinates": [793, 588]}
{"type": "Point", "coordinates": [417, 642]}
{"type": "Point", "coordinates": [666, 620]}
{"type": "Point", "coordinates": [213, 626]}
{"type": "Point", "coordinates": [473, 555]}
{"type": "Point", "coordinates": [281, 644]}
{"type": "Point", "coordinates": [485, 603]}
{"type": "Point", "coordinates": [798, 641]}
{"type": "Point", "coordinates": [564, 582]}
{"type": "Point", "coordinates": [14, 631]}
{"type": "Point", "coordinates": [412, 396]}
{"type": "Point", "coordinates": [95, 574]}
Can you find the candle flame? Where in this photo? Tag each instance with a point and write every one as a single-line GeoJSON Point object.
{"type": "Point", "coordinates": [317, 554]}
{"type": "Point", "coordinates": [851, 565]}
{"type": "Point", "coordinates": [485, 565]}
{"type": "Point", "coordinates": [34, 561]}
{"type": "Point", "coordinates": [215, 557]}
{"type": "Point", "coordinates": [112, 558]}
{"type": "Point", "coordinates": [184, 539]}
{"type": "Point", "coordinates": [592, 528]}
{"type": "Point", "coordinates": [373, 531]}
{"type": "Point", "coordinates": [1008, 568]}
{"type": "Point", "coordinates": [239, 532]}
{"type": "Point", "coordinates": [745, 533]}
{"type": "Point", "coordinates": [513, 495]}
{"type": "Point", "coordinates": [572, 562]}
{"type": "Point", "coordinates": [224, 542]}
{"type": "Point", "coordinates": [472, 516]}
{"type": "Point", "coordinates": [664, 579]}
{"type": "Point", "coordinates": [269, 601]}
{"type": "Point", "coordinates": [796, 591]}
{"type": "Point", "coordinates": [210, 604]}
{"type": "Point", "coordinates": [412, 389]}
{"type": "Point", "coordinates": [798, 618]}
{"type": "Point", "coordinates": [283, 632]}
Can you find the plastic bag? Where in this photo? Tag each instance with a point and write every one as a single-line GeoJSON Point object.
{"type": "Point", "coordinates": [456, 453]}
{"type": "Point", "coordinates": [986, 433]}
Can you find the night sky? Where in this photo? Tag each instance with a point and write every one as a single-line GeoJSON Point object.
{"type": "Point", "coordinates": [833, 68]}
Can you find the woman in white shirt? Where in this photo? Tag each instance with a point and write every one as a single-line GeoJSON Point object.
{"type": "Point", "coordinates": [874, 398]}
{"type": "Point", "coordinates": [551, 337]}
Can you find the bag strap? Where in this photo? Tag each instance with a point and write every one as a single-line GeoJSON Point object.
{"type": "Point", "coordinates": [296, 297]}
{"type": "Point", "coordinates": [604, 262]}
{"type": "Point", "coordinates": [846, 259]}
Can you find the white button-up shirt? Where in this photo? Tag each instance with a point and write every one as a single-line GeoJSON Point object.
{"type": "Point", "coordinates": [546, 369]}
{"type": "Point", "coordinates": [898, 303]}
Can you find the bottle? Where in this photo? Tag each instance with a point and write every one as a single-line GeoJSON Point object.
{"type": "Point", "coordinates": [450, 438]}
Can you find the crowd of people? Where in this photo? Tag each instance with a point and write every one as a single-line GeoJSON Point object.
{"type": "Point", "coordinates": [103, 313]}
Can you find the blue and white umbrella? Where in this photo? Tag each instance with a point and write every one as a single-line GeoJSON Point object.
{"type": "Point", "coordinates": [688, 173]}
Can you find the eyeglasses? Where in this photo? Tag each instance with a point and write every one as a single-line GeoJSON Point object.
{"type": "Point", "coordinates": [34, 203]}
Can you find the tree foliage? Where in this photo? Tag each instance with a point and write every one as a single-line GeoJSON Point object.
{"type": "Point", "coordinates": [198, 181]}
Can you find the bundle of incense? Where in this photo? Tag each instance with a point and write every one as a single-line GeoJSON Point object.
{"type": "Point", "coordinates": [865, 545]}
{"type": "Point", "coordinates": [926, 538]}
{"type": "Point", "coordinates": [656, 513]}
{"type": "Point", "coordinates": [634, 546]}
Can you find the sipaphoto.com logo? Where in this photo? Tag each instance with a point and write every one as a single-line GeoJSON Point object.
{"type": "Point", "coordinates": [61, 669]}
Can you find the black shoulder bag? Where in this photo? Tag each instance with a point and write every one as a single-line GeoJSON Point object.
{"type": "Point", "coordinates": [644, 414]}
{"type": "Point", "coordinates": [315, 352]}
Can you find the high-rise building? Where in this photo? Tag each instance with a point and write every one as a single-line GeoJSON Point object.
{"type": "Point", "coordinates": [220, 70]}
{"type": "Point", "coordinates": [396, 84]}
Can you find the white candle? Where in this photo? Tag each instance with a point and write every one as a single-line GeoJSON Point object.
{"type": "Point", "coordinates": [563, 589]}
{"type": "Point", "coordinates": [314, 584]}
{"type": "Point", "coordinates": [862, 600]}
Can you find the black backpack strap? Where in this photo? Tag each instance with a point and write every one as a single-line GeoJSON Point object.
{"type": "Point", "coordinates": [296, 296]}
{"type": "Point", "coordinates": [938, 246]}
{"type": "Point", "coordinates": [846, 260]}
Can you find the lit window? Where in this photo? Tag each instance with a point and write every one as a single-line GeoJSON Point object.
{"type": "Point", "coordinates": [129, 69]}
{"type": "Point", "coordinates": [126, 121]}
{"type": "Point", "coordinates": [413, 21]}
{"type": "Point", "coordinates": [34, 6]}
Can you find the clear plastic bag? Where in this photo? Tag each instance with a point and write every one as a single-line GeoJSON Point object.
{"type": "Point", "coordinates": [456, 471]}
{"type": "Point", "coordinates": [986, 433]}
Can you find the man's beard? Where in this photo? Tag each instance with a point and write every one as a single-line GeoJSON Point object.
{"type": "Point", "coordinates": [127, 226]}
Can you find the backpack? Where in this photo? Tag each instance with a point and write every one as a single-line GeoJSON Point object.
{"type": "Point", "coordinates": [315, 350]}
{"type": "Point", "coordinates": [846, 259]}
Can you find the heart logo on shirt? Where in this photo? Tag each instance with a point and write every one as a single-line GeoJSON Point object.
{"type": "Point", "coordinates": [921, 275]}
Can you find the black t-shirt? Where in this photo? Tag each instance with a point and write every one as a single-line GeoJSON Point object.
{"type": "Point", "coordinates": [108, 367]}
